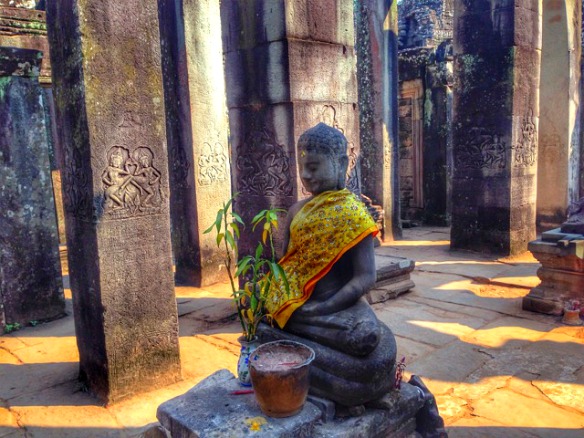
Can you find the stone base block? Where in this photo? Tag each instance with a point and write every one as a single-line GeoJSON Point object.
{"type": "Point", "coordinates": [211, 409]}
{"type": "Point", "coordinates": [393, 278]}
{"type": "Point", "coordinates": [389, 290]}
{"type": "Point", "coordinates": [392, 416]}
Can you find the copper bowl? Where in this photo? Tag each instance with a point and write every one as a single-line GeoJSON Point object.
{"type": "Point", "coordinates": [279, 375]}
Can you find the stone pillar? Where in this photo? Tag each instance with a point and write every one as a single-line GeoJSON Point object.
{"type": "Point", "coordinates": [497, 52]}
{"type": "Point", "coordinates": [557, 175]}
{"type": "Point", "coordinates": [289, 66]}
{"type": "Point", "coordinates": [31, 287]}
{"type": "Point", "coordinates": [108, 87]}
{"type": "Point", "coordinates": [437, 112]}
{"type": "Point", "coordinates": [27, 29]}
{"type": "Point", "coordinates": [197, 132]}
{"type": "Point", "coordinates": [376, 24]}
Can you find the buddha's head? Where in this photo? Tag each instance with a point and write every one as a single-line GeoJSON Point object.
{"type": "Point", "coordinates": [322, 159]}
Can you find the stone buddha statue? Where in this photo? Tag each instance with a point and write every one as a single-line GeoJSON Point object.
{"type": "Point", "coordinates": [330, 265]}
{"type": "Point", "coordinates": [575, 222]}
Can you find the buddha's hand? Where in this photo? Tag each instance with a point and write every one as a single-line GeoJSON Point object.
{"type": "Point", "coordinates": [313, 308]}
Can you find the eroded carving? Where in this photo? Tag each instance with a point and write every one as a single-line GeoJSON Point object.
{"type": "Point", "coordinates": [130, 119]}
{"type": "Point", "coordinates": [526, 148]}
{"type": "Point", "coordinates": [212, 164]}
{"type": "Point", "coordinates": [180, 166]}
{"type": "Point", "coordinates": [353, 170]}
{"type": "Point", "coordinates": [482, 151]}
{"type": "Point", "coordinates": [387, 156]}
{"type": "Point", "coordinates": [263, 166]}
{"type": "Point", "coordinates": [76, 193]}
{"type": "Point", "coordinates": [131, 182]}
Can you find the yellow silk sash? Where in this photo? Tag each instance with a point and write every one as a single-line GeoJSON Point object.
{"type": "Point", "coordinates": [322, 231]}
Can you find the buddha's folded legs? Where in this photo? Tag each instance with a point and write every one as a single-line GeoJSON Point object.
{"type": "Point", "coordinates": [354, 331]}
{"type": "Point", "coordinates": [346, 379]}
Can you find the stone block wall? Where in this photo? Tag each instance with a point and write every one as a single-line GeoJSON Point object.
{"type": "Point", "coordinates": [289, 65]}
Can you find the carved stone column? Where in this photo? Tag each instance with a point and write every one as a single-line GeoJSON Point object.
{"type": "Point", "coordinates": [289, 66]}
{"type": "Point", "coordinates": [376, 22]}
{"type": "Point", "coordinates": [197, 132]}
{"type": "Point", "coordinates": [31, 287]}
{"type": "Point", "coordinates": [108, 87]}
{"type": "Point", "coordinates": [497, 52]}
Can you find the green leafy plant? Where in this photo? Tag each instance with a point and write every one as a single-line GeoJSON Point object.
{"type": "Point", "coordinates": [9, 328]}
{"type": "Point", "coordinates": [258, 271]}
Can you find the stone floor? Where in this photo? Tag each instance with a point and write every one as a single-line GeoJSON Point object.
{"type": "Point", "coordinates": [496, 371]}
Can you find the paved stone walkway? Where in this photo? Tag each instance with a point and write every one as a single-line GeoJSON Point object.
{"type": "Point", "coordinates": [496, 370]}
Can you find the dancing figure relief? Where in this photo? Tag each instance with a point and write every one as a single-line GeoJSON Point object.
{"type": "Point", "coordinates": [131, 182]}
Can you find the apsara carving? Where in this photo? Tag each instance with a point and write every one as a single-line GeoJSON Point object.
{"type": "Point", "coordinates": [212, 164]}
{"type": "Point", "coordinates": [131, 182]}
{"type": "Point", "coordinates": [482, 151]}
{"type": "Point", "coordinates": [263, 166]}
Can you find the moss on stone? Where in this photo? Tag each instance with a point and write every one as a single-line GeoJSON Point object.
{"type": "Point", "coordinates": [3, 86]}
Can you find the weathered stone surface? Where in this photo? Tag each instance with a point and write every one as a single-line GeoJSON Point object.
{"type": "Point", "coordinates": [108, 87]}
{"type": "Point", "coordinates": [197, 132]}
{"type": "Point", "coordinates": [328, 21]}
{"type": "Point", "coordinates": [557, 180]}
{"type": "Point", "coordinates": [275, 63]}
{"type": "Point", "coordinates": [425, 108]}
{"type": "Point", "coordinates": [498, 333]}
{"type": "Point", "coordinates": [210, 409]}
{"type": "Point", "coordinates": [522, 408]}
{"type": "Point", "coordinates": [27, 29]}
{"type": "Point", "coordinates": [376, 48]}
{"type": "Point", "coordinates": [393, 278]}
{"type": "Point", "coordinates": [31, 287]}
{"type": "Point", "coordinates": [495, 122]}
{"type": "Point", "coordinates": [393, 415]}
{"type": "Point", "coordinates": [424, 23]}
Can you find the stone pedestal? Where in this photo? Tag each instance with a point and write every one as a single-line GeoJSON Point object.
{"type": "Point", "coordinates": [197, 132]}
{"type": "Point", "coordinates": [107, 79]}
{"type": "Point", "coordinates": [497, 51]}
{"type": "Point", "coordinates": [377, 75]}
{"type": "Point", "coordinates": [211, 409]}
{"type": "Point", "coordinates": [289, 65]}
{"type": "Point", "coordinates": [31, 287]}
{"type": "Point", "coordinates": [562, 272]}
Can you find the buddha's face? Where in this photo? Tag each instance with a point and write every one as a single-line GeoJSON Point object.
{"type": "Point", "coordinates": [320, 172]}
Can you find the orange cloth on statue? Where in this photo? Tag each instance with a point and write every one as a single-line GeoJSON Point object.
{"type": "Point", "coordinates": [324, 229]}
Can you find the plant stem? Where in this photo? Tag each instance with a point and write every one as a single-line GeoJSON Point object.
{"type": "Point", "coordinates": [230, 275]}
